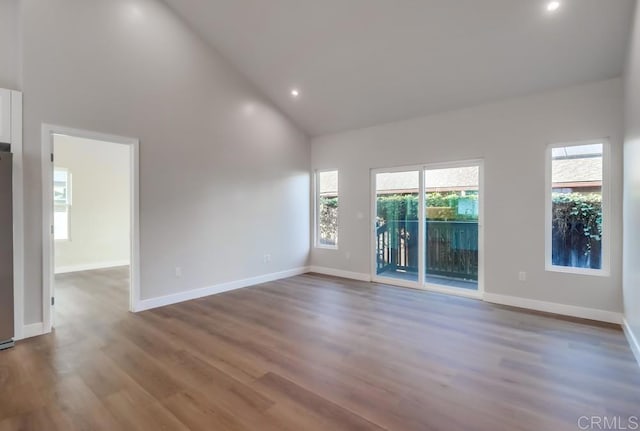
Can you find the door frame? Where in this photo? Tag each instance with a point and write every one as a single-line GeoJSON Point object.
{"type": "Point", "coordinates": [421, 284]}
{"type": "Point", "coordinates": [18, 214]}
{"type": "Point", "coordinates": [48, 242]}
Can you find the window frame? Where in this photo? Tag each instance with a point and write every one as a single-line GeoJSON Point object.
{"type": "Point", "coordinates": [316, 212]}
{"type": "Point", "coordinates": [604, 271]}
{"type": "Point", "coordinates": [66, 206]}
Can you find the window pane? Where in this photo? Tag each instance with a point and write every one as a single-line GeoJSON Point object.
{"type": "Point", "coordinates": [451, 226]}
{"type": "Point", "coordinates": [397, 228]}
{"type": "Point", "coordinates": [576, 214]}
{"type": "Point", "coordinates": [61, 223]}
{"type": "Point", "coordinates": [328, 208]}
{"type": "Point", "coordinates": [61, 192]}
{"type": "Point", "coordinates": [62, 201]}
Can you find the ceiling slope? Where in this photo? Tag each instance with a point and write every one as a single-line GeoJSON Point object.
{"type": "Point", "coordinates": [359, 63]}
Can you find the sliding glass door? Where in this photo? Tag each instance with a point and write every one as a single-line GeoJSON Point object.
{"type": "Point", "coordinates": [427, 226]}
{"type": "Point", "coordinates": [451, 226]}
{"type": "Point", "coordinates": [397, 226]}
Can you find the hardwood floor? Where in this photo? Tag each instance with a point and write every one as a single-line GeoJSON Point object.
{"type": "Point", "coordinates": [310, 353]}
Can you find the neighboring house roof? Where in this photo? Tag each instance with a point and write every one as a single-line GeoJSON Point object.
{"type": "Point", "coordinates": [566, 172]}
{"type": "Point", "coordinates": [437, 179]}
{"type": "Point", "coordinates": [583, 170]}
{"type": "Point", "coordinates": [329, 183]}
{"type": "Point", "coordinates": [405, 182]}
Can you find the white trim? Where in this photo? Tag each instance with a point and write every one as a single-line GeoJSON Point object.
{"type": "Point", "coordinates": [47, 221]}
{"type": "Point", "coordinates": [147, 304]}
{"type": "Point", "coordinates": [340, 273]}
{"type": "Point", "coordinates": [18, 215]}
{"type": "Point", "coordinates": [373, 233]}
{"type": "Point", "coordinates": [48, 269]}
{"type": "Point", "coordinates": [578, 271]}
{"type": "Point", "coordinates": [422, 232]}
{"type": "Point", "coordinates": [606, 209]}
{"type": "Point", "coordinates": [327, 246]}
{"type": "Point", "coordinates": [634, 342]}
{"type": "Point", "coordinates": [32, 330]}
{"type": "Point", "coordinates": [372, 226]}
{"type": "Point", "coordinates": [481, 248]}
{"type": "Point", "coordinates": [555, 308]}
{"type": "Point", "coordinates": [91, 266]}
{"type": "Point", "coordinates": [134, 257]}
{"type": "Point", "coordinates": [6, 123]}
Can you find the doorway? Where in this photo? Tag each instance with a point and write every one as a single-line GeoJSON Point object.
{"type": "Point", "coordinates": [90, 224]}
{"type": "Point", "coordinates": [427, 227]}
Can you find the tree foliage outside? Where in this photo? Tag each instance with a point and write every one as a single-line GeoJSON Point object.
{"type": "Point", "coordinates": [328, 220]}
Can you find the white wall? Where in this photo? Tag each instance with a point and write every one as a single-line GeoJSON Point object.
{"type": "Point", "coordinates": [511, 137]}
{"type": "Point", "coordinates": [224, 176]}
{"type": "Point", "coordinates": [100, 210]}
{"type": "Point", "coordinates": [10, 44]}
{"type": "Point", "coordinates": [631, 278]}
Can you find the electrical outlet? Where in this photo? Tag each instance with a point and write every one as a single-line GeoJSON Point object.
{"type": "Point", "coordinates": [267, 258]}
{"type": "Point", "coordinates": [522, 276]}
{"type": "Point", "coordinates": [347, 255]}
{"type": "Point", "coordinates": [178, 271]}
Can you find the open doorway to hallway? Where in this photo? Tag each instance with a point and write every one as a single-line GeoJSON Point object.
{"type": "Point", "coordinates": [90, 203]}
{"type": "Point", "coordinates": [91, 198]}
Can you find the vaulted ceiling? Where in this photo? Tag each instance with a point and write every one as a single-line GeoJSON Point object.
{"type": "Point", "coordinates": [363, 62]}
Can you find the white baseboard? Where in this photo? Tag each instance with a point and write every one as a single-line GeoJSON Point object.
{"type": "Point", "coordinates": [90, 266]}
{"type": "Point", "coordinates": [340, 273]}
{"type": "Point", "coordinates": [634, 342]}
{"type": "Point", "coordinates": [553, 307]}
{"type": "Point", "coordinates": [147, 304]}
{"type": "Point", "coordinates": [32, 330]}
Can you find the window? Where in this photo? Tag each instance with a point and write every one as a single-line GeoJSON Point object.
{"type": "Point", "coordinates": [576, 216]}
{"type": "Point", "coordinates": [61, 203]}
{"type": "Point", "coordinates": [327, 209]}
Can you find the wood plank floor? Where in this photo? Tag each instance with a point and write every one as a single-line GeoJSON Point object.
{"type": "Point", "coordinates": [310, 353]}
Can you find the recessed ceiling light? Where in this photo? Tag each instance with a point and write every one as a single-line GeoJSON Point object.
{"type": "Point", "coordinates": [553, 6]}
{"type": "Point", "coordinates": [295, 92]}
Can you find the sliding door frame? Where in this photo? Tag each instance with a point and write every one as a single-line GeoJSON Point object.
{"type": "Point", "coordinates": [478, 293]}
{"type": "Point", "coordinates": [420, 283]}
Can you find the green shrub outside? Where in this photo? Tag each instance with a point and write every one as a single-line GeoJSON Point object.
{"type": "Point", "coordinates": [441, 207]}
{"type": "Point", "coordinates": [569, 209]}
